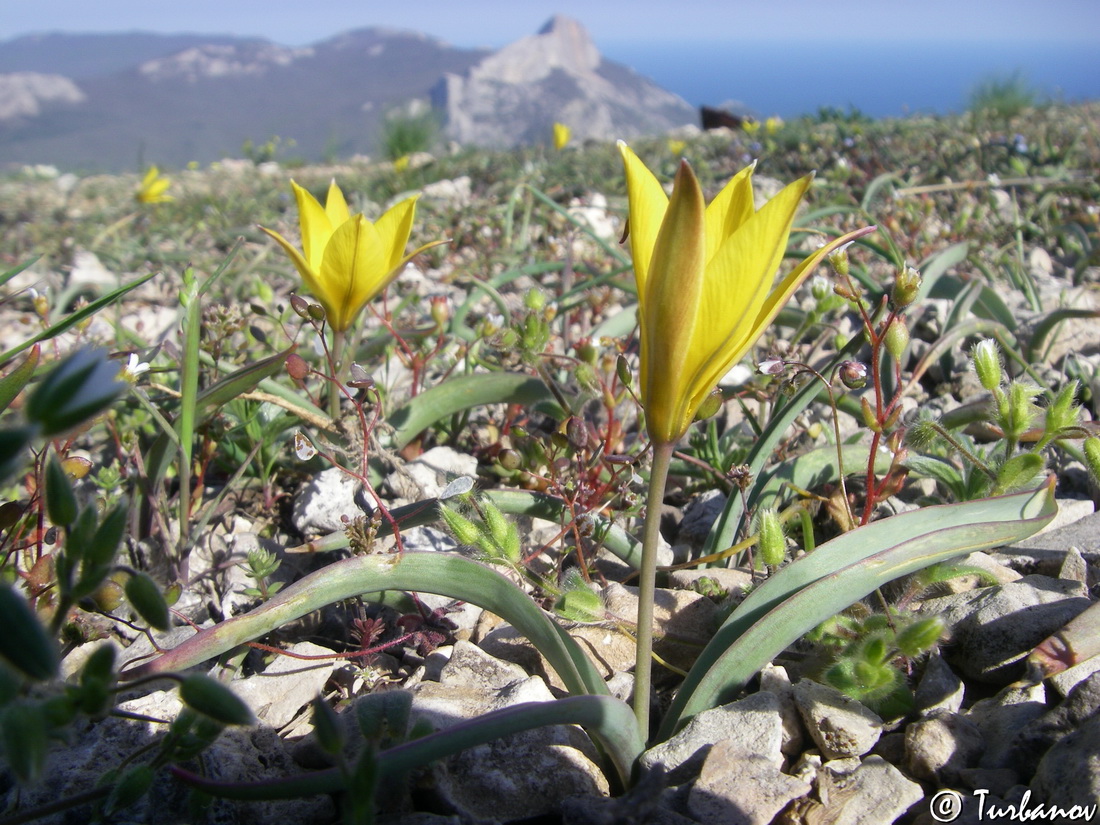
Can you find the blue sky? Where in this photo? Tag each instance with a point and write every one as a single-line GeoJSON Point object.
{"type": "Point", "coordinates": [496, 22]}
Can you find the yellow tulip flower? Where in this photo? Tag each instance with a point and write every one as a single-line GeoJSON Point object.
{"type": "Point", "coordinates": [704, 276]}
{"type": "Point", "coordinates": [154, 187]}
{"type": "Point", "coordinates": [773, 124]}
{"type": "Point", "coordinates": [346, 260]}
{"type": "Point", "coordinates": [562, 133]}
{"type": "Point", "coordinates": [676, 146]}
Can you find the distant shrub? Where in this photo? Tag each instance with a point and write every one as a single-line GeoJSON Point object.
{"type": "Point", "coordinates": [1002, 96]}
{"type": "Point", "coordinates": [406, 132]}
{"type": "Point", "coordinates": [833, 114]}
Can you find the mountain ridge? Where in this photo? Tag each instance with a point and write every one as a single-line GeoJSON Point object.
{"type": "Point", "coordinates": [202, 100]}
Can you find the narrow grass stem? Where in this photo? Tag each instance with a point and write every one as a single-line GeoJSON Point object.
{"type": "Point", "coordinates": [647, 583]}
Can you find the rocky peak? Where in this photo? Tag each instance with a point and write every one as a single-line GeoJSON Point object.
{"type": "Point", "coordinates": [562, 43]}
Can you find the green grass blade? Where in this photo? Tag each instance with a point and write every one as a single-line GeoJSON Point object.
{"type": "Point", "coordinates": [72, 320]}
{"type": "Point", "coordinates": [444, 574]}
{"type": "Point", "coordinates": [841, 572]}
{"type": "Point", "coordinates": [13, 383]}
{"type": "Point", "coordinates": [462, 393]}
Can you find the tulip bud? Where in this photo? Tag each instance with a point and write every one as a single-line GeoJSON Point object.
{"type": "Point", "coordinates": [897, 338]}
{"type": "Point", "coordinates": [906, 287]}
{"type": "Point", "coordinates": [772, 541]}
{"type": "Point", "coordinates": [853, 374]}
{"type": "Point", "coordinates": [987, 363]}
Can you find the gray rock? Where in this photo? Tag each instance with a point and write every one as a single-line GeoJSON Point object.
{"type": "Point", "coordinates": [1002, 717]}
{"type": "Point", "coordinates": [286, 685]}
{"type": "Point", "coordinates": [516, 777]}
{"type": "Point", "coordinates": [739, 788]}
{"type": "Point", "coordinates": [939, 688]}
{"type": "Point", "coordinates": [1036, 738]}
{"type": "Point", "coordinates": [1069, 774]}
{"type": "Point", "coordinates": [700, 515]}
{"type": "Point", "coordinates": [684, 621]}
{"type": "Point", "coordinates": [427, 475]}
{"type": "Point", "coordinates": [325, 500]}
{"type": "Point", "coordinates": [774, 678]}
{"type": "Point", "coordinates": [941, 744]}
{"type": "Point", "coordinates": [875, 793]}
{"type": "Point", "coordinates": [1044, 553]}
{"type": "Point", "coordinates": [839, 725]}
{"type": "Point", "coordinates": [752, 724]}
{"type": "Point", "coordinates": [992, 629]}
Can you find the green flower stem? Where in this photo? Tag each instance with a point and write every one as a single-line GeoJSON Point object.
{"type": "Point", "coordinates": [647, 583]}
{"type": "Point", "coordinates": [334, 389]}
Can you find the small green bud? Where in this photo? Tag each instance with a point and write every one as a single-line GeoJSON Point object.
{"type": "Point", "coordinates": [853, 374]}
{"type": "Point", "coordinates": [60, 498]}
{"type": "Point", "coordinates": [586, 377]}
{"type": "Point", "coordinates": [328, 727]}
{"type": "Point", "coordinates": [840, 341]}
{"type": "Point", "coordinates": [534, 299]}
{"type": "Point", "coordinates": [316, 312]}
{"type": "Point", "coordinates": [215, 701]}
{"type": "Point", "coordinates": [838, 259]}
{"type": "Point", "coordinates": [504, 533]}
{"type": "Point", "coordinates": [146, 599]}
{"type": "Point", "coordinates": [920, 636]}
{"type": "Point", "coordinates": [906, 287]}
{"type": "Point", "coordinates": [463, 529]}
{"type": "Point", "coordinates": [1062, 413]}
{"type": "Point", "coordinates": [1017, 473]}
{"type": "Point", "coordinates": [1019, 410]}
{"type": "Point", "coordinates": [579, 604]}
{"type": "Point", "coordinates": [1092, 456]}
{"type": "Point", "coordinates": [710, 406]}
{"type": "Point", "coordinates": [875, 650]}
{"type": "Point", "coordinates": [870, 420]}
{"type": "Point", "coordinates": [897, 338]}
{"type": "Point", "coordinates": [510, 460]}
{"type": "Point", "coordinates": [131, 787]}
{"type": "Point", "coordinates": [772, 541]}
{"type": "Point", "coordinates": [24, 642]}
{"type": "Point", "coordinates": [987, 363]}
{"type": "Point", "coordinates": [587, 351]}
{"type": "Point", "coordinates": [622, 370]}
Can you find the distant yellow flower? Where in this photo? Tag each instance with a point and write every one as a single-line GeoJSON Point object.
{"type": "Point", "coordinates": [401, 164]}
{"type": "Point", "coordinates": [677, 147]}
{"type": "Point", "coordinates": [773, 124]}
{"type": "Point", "coordinates": [346, 260]}
{"type": "Point", "coordinates": [562, 133]}
{"type": "Point", "coordinates": [153, 187]}
{"type": "Point", "coordinates": [704, 277]}
{"type": "Point", "coordinates": [751, 127]}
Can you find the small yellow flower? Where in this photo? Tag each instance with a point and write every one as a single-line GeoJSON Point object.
{"type": "Point", "coordinates": [773, 124]}
{"type": "Point", "coordinates": [677, 147]}
{"type": "Point", "coordinates": [562, 133]}
{"type": "Point", "coordinates": [154, 187]}
{"type": "Point", "coordinates": [704, 276]}
{"type": "Point", "coordinates": [346, 260]}
{"type": "Point", "coordinates": [401, 164]}
{"type": "Point", "coordinates": [751, 127]}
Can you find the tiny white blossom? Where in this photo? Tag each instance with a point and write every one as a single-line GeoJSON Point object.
{"type": "Point", "coordinates": [133, 367]}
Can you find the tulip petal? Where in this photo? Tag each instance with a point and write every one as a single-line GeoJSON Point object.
{"type": "Point", "coordinates": [335, 206]}
{"type": "Point", "coordinates": [315, 225]}
{"type": "Point", "coordinates": [394, 228]}
{"type": "Point", "coordinates": [670, 307]}
{"type": "Point", "coordinates": [730, 209]}
{"type": "Point", "coordinates": [299, 262]}
{"type": "Point", "coordinates": [738, 281]}
{"type": "Point", "coordinates": [352, 271]}
{"type": "Point", "coordinates": [648, 203]}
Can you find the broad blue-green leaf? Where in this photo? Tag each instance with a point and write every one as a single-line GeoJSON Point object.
{"type": "Point", "coordinates": [841, 572]}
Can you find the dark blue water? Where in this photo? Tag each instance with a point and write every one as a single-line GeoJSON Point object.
{"type": "Point", "coordinates": [880, 79]}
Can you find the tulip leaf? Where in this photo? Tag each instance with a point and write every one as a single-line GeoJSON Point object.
{"type": "Point", "coordinates": [610, 721]}
{"type": "Point", "coordinates": [840, 573]}
{"type": "Point", "coordinates": [463, 393]}
{"type": "Point", "coordinates": [443, 574]}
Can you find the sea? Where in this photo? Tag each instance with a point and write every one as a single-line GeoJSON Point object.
{"type": "Point", "coordinates": [877, 78]}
